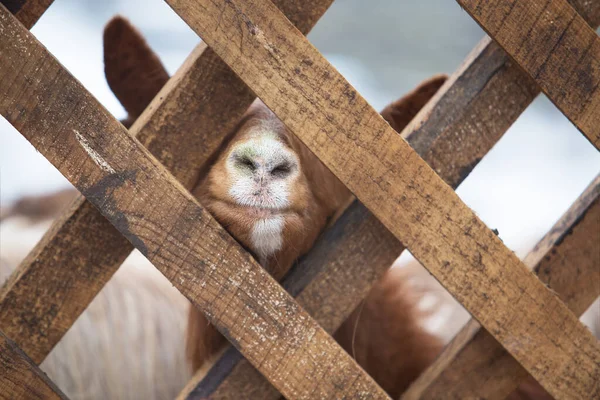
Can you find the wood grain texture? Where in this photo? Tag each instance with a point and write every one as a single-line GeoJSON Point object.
{"type": "Point", "coordinates": [474, 364]}
{"type": "Point", "coordinates": [555, 46]}
{"type": "Point", "coordinates": [386, 175]}
{"type": "Point", "coordinates": [479, 102]}
{"type": "Point", "coordinates": [156, 214]}
{"type": "Point", "coordinates": [452, 134]}
{"type": "Point", "coordinates": [27, 11]}
{"type": "Point", "coordinates": [183, 127]}
{"type": "Point", "coordinates": [20, 378]}
{"type": "Point", "coordinates": [329, 283]}
{"type": "Point", "coordinates": [476, 106]}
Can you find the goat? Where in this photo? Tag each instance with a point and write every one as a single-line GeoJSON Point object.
{"type": "Point", "coordinates": [275, 197]}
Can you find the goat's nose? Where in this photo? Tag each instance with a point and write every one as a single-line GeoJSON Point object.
{"type": "Point", "coordinates": [281, 170]}
{"type": "Point", "coordinates": [266, 168]}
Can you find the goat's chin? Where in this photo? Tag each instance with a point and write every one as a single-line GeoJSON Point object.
{"type": "Point", "coordinates": [245, 213]}
{"type": "Point", "coordinates": [276, 237]}
{"type": "Point", "coordinates": [264, 212]}
{"type": "Point", "coordinates": [228, 209]}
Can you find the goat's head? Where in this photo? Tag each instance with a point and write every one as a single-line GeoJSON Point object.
{"type": "Point", "coordinates": [265, 187]}
{"type": "Point", "coordinates": [270, 191]}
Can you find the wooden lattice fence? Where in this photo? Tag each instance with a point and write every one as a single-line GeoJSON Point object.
{"type": "Point", "coordinates": [131, 200]}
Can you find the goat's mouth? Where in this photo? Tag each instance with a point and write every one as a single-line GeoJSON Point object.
{"type": "Point", "coordinates": [264, 212]}
{"type": "Point", "coordinates": [255, 210]}
{"type": "Point", "coordinates": [261, 211]}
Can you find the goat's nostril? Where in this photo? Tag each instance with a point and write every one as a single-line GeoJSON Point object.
{"type": "Point", "coordinates": [281, 170]}
{"type": "Point", "coordinates": [247, 163]}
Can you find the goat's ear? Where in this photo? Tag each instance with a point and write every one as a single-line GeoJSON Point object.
{"type": "Point", "coordinates": [133, 71]}
{"type": "Point", "coordinates": [402, 111]}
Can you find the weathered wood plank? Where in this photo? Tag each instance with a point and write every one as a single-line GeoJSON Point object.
{"type": "Point", "coordinates": [149, 207]}
{"type": "Point", "coordinates": [478, 104]}
{"type": "Point", "coordinates": [329, 283]}
{"type": "Point", "coordinates": [474, 364]}
{"type": "Point", "coordinates": [556, 47]}
{"type": "Point", "coordinates": [589, 10]}
{"type": "Point", "coordinates": [20, 378]}
{"type": "Point", "coordinates": [337, 124]}
{"type": "Point", "coordinates": [27, 11]}
{"type": "Point", "coordinates": [456, 130]}
{"type": "Point", "coordinates": [452, 134]}
{"type": "Point", "coordinates": [184, 126]}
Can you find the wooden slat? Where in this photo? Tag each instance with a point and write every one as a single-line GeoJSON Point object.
{"type": "Point", "coordinates": [78, 257]}
{"type": "Point", "coordinates": [474, 364]}
{"type": "Point", "coordinates": [555, 46]}
{"type": "Point", "coordinates": [589, 10]}
{"type": "Point", "coordinates": [328, 283]}
{"type": "Point", "coordinates": [488, 87]}
{"type": "Point", "coordinates": [183, 127]}
{"type": "Point", "coordinates": [452, 134]}
{"type": "Point", "coordinates": [479, 103]}
{"type": "Point", "coordinates": [149, 207]}
{"type": "Point", "coordinates": [27, 11]}
{"type": "Point", "coordinates": [337, 124]}
{"type": "Point", "coordinates": [456, 130]}
{"type": "Point", "coordinates": [20, 378]}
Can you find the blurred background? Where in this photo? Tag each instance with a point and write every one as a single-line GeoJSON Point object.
{"type": "Point", "coordinates": [384, 48]}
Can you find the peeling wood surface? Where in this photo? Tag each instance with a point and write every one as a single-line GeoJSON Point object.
{"type": "Point", "coordinates": [337, 124]}
{"type": "Point", "coordinates": [149, 207]}
{"type": "Point", "coordinates": [183, 127]}
{"type": "Point", "coordinates": [555, 46]}
{"type": "Point", "coordinates": [474, 364]}
{"type": "Point", "coordinates": [452, 134]}
{"type": "Point", "coordinates": [27, 11]}
{"type": "Point", "coordinates": [20, 378]}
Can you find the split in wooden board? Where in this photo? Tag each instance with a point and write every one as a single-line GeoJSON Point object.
{"type": "Point", "coordinates": [556, 47]}
{"type": "Point", "coordinates": [336, 123]}
{"type": "Point", "coordinates": [149, 207]}
{"type": "Point", "coordinates": [20, 378]}
{"type": "Point", "coordinates": [184, 126]}
{"type": "Point", "coordinates": [474, 364]}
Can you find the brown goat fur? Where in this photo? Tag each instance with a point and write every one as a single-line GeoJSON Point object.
{"type": "Point", "coordinates": [141, 314]}
{"type": "Point", "coordinates": [385, 337]}
{"type": "Point", "coordinates": [316, 194]}
{"type": "Point", "coordinates": [133, 71]}
{"type": "Point", "coordinates": [312, 196]}
{"type": "Point", "coordinates": [384, 333]}
{"type": "Point", "coordinates": [316, 197]}
{"type": "Point", "coordinates": [39, 208]}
